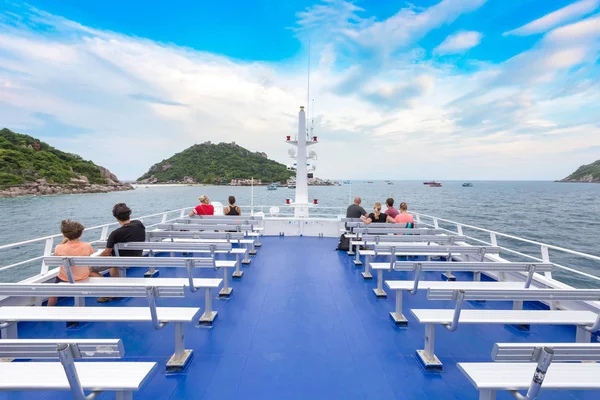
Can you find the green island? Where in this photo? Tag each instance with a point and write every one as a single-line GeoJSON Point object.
{"type": "Point", "coordinates": [589, 173]}
{"type": "Point", "coordinates": [220, 164]}
{"type": "Point", "coordinates": [29, 166]}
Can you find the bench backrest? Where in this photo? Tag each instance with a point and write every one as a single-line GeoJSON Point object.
{"type": "Point", "coordinates": [197, 262]}
{"type": "Point", "coordinates": [437, 266]}
{"type": "Point", "coordinates": [397, 231]}
{"type": "Point", "coordinates": [481, 250]}
{"type": "Point", "coordinates": [198, 217]}
{"type": "Point", "coordinates": [87, 290]}
{"type": "Point", "coordinates": [46, 348]}
{"type": "Point", "coordinates": [529, 352]}
{"type": "Point", "coordinates": [517, 294]}
{"type": "Point", "coordinates": [218, 221]}
{"type": "Point", "coordinates": [234, 236]}
{"type": "Point", "coordinates": [382, 225]}
{"type": "Point", "coordinates": [376, 239]}
{"type": "Point", "coordinates": [174, 246]}
{"type": "Point", "coordinates": [207, 227]}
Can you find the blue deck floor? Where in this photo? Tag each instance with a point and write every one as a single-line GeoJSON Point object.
{"type": "Point", "coordinates": [303, 324]}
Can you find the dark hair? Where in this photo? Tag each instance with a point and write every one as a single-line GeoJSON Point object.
{"type": "Point", "coordinates": [121, 212]}
{"type": "Point", "coordinates": [231, 199]}
{"type": "Point", "coordinates": [389, 202]}
{"type": "Point", "coordinates": [403, 206]}
{"type": "Point", "coordinates": [71, 229]}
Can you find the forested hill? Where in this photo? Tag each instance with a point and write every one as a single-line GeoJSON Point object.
{"type": "Point", "coordinates": [585, 173]}
{"type": "Point", "coordinates": [216, 163]}
{"type": "Point", "coordinates": [27, 159]}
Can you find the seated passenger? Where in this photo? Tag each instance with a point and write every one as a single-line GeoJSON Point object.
{"type": "Point", "coordinates": [204, 208]}
{"type": "Point", "coordinates": [391, 211]}
{"type": "Point", "coordinates": [376, 216]}
{"type": "Point", "coordinates": [71, 246]}
{"type": "Point", "coordinates": [404, 217]}
{"type": "Point", "coordinates": [232, 209]}
{"type": "Point", "coordinates": [129, 231]}
{"type": "Point", "coordinates": [354, 210]}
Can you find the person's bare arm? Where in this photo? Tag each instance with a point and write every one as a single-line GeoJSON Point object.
{"type": "Point", "coordinates": [105, 253]}
{"type": "Point", "coordinates": [191, 214]}
{"type": "Point", "coordinates": [390, 220]}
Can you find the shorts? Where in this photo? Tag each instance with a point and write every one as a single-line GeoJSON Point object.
{"type": "Point", "coordinates": [99, 269]}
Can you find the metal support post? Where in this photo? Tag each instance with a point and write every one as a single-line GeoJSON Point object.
{"type": "Point", "coordinates": [209, 315]}
{"type": "Point", "coordinates": [66, 353]}
{"type": "Point", "coordinates": [583, 335]}
{"type": "Point", "coordinates": [379, 292]}
{"type": "Point", "coordinates": [356, 255]}
{"type": "Point", "coordinates": [397, 316]}
{"type": "Point", "coordinates": [367, 273]}
{"type": "Point", "coordinates": [226, 289]}
{"type": "Point", "coordinates": [427, 355]}
{"type": "Point", "coordinates": [237, 273]}
{"type": "Point", "coordinates": [246, 259]}
{"type": "Point", "coordinates": [152, 272]}
{"type": "Point", "coordinates": [181, 358]}
{"type": "Point", "coordinates": [544, 361]}
{"type": "Point", "coordinates": [151, 296]}
{"type": "Point", "coordinates": [8, 330]}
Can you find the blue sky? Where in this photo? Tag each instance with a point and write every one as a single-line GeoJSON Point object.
{"type": "Point", "coordinates": [444, 89]}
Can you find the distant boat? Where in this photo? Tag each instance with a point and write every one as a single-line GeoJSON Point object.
{"type": "Point", "coordinates": [272, 186]}
{"type": "Point", "coordinates": [390, 183]}
{"type": "Point", "coordinates": [429, 183]}
{"type": "Point", "coordinates": [346, 182]}
{"type": "Point", "coordinates": [435, 184]}
{"type": "Point", "coordinates": [369, 181]}
{"type": "Point", "coordinates": [467, 184]}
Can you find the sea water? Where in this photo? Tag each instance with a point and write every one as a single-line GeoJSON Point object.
{"type": "Point", "coordinates": [562, 214]}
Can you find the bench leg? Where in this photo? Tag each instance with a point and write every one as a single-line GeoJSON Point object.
{"type": "Point", "coordinates": [351, 251]}
{"type": "Point", "coordinates": [181, 358]}
{"type": "Point", "coordinates": [367, 273]}
{"type": "Point", "coordinates": [257, 242]}
{"type": "Point", "coordinates": [476, 276]}
{"type": "Point", "coordinates": [79, 301]}
{"type": "Point", "coordinates": [209, 315]}
{"type": "Point", "coordinates": [124, 396]}
{"type": "Point", "coordinates": [448, 276]}
{"type": "Point", "coordinates": [252, 250]}
{"type": "Point", "coordinates": [397, 316]}
{"type": "Point", "coordinates": [226, 290]}
{"type": "Point", "coordinates": [379, 292]}
{"type": "Point", "coordinates": [246, 259]}
{"type": "Point", "coordinates": [583, 335]}
{"type": "Point", "coordinates": [357, 259]}
{"type": "Point", "coordinates": [487, 395]}
{"type": "Point", "coordinates": [427, 356]}
{"type": "Point", "coordinates": [10, 332]}
{"type": "Point", "coordinates": [237, 273]}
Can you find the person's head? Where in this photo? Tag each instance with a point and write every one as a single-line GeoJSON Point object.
{"type": "Point", "coordinates": [204, 199]}
{"type": "Point", "coordinates": [377, 208]}
{"type": "Point", "coordinates": [403, 206]}
{"type": "Point", "coordinates": [71, 229]}
{"type": "Point", "coordinates": [121, 212]}
{"type": "Point", "coordinates": [389, 202]}
{"type": "Point", "coordinates": [357, 200]}
{"type": "Point", "coordinates": [231, 200]}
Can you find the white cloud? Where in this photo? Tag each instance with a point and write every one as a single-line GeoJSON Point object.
{"type": "Point", "coordinates": [459, 42]}
{"type": "Point", "coordinates": [130, 102]}
{"type": "Point", "coordinates": [566, 14]}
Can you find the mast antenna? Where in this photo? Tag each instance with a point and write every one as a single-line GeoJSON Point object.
{"type": "Point", "coordinates": [308, 87]}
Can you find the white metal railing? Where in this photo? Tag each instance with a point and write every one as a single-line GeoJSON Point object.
{"type": "Point", "coordinates": [101, 230]}
{"type": "Point", "coordinates": [494, 235]}
{"type": "Point", "coordinates": [317, 211]}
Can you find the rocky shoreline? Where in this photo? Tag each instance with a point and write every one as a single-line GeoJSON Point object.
{"type": "Point", "coordinates": [584, 179]}
{"type": "Point", "coordinates": [45, 189]}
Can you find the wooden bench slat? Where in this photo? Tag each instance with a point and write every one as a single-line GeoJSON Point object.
{"type": "Point", "coordinates": [108, 376]}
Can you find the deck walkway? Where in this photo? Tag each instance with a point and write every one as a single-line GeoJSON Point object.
{"type": "Point", "coordinates": [308, 329]}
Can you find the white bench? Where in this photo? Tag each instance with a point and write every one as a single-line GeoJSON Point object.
{"type": "Point", "coordinates": [208, 316]}
{"type": "Point", "coordinates": [250, 230]}
{"type": "Point", "coordinates": [418, 267]}
{"type": "Point", "coordinates": [390, 240]}
{"type": "Point", "coordinates": [124, 378]}
{"type": "Point", "coordinates": [534, 366]}
{"type": "Point", "coordinates": [357, 232]}
{"type": "Point", "coordinates": [158, 316]}
{"type": "Point", "coordinates": [207, 237]}
{"type": "Point", "coordinates": [171, 247]}
{"type": "Point", "coordinates": [417, 249]}
{"type": "Point", "coordinates": [164, 315]}
{"type": "Point", "coordinates": [157, 262]}
{"type": "Point", "coordinates": [586, 321]}
{"type": "Point", "coordinates": [47, 348]}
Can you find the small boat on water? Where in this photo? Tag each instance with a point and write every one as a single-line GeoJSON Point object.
{"type": "Point", "coordinates": [346, 182]}
{"type": "Point", "coordinates": [467, 184]}
{"type": "Point", "coordinates": [435, 184]}
{"type": "Point", "coordinates": [272, 186]}
{"type": "Point", "coordinates": [390, 183]}
{"type": "Point", "coordinates": [429, 182]}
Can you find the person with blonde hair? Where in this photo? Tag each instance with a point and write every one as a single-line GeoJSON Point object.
{"type": "Point", "coordinates": [204, 208]}
{"type": "Point", "coordinates": [404, 217]}
{"type": "Point", "coordinates": [376, 216]}
{"type": "Point", "coordinates": [71, 246]}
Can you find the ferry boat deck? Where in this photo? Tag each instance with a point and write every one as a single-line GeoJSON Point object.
{"type": "Point", "coordinates": [303, 324]}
